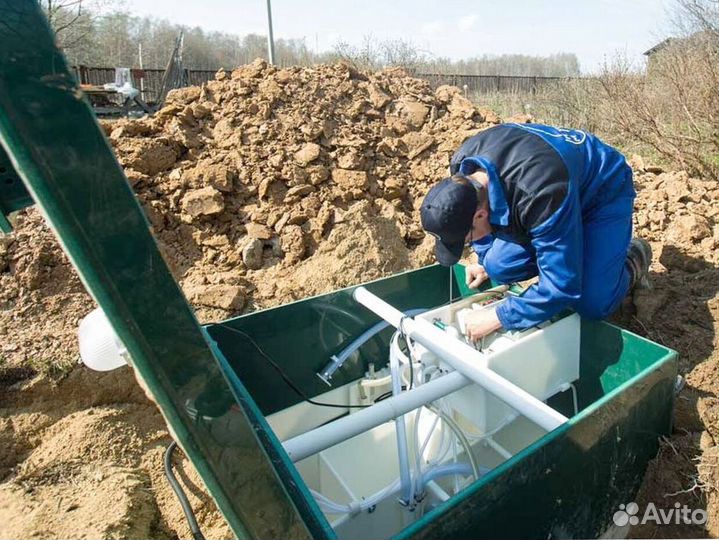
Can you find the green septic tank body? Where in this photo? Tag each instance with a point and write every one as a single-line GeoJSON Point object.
{"type": "Point", "coordinates": [567, 483]}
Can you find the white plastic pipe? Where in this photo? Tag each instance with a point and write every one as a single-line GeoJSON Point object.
{"type": "Point", "coordinates": [465, 359]}
{"type": "Point", "coordinates": [501, 450]}
{"type": "Point", "coordinates": [324, 437]}
{"type": "Point", "coordinates": [401, 429]}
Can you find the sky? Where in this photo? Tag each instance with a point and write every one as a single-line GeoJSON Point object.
{"type": "Point", "coordinates": [595, 30]}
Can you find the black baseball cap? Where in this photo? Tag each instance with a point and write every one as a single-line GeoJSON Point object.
{"type": "Point", "coordinates": [446, 213]}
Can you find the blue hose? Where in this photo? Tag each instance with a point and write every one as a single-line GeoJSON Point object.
{"type": "Point", "coordinates": [336, 360]}
{"type": "Point", "coordinates": [451, 469]}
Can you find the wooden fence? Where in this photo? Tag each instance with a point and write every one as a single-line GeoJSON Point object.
{"type": "Point", "coordinates": [151, 80]}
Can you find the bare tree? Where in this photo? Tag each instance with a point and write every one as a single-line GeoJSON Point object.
{"type": "Point", "coordinates": [68, 19]}
{"type": "Point", "coordinates": [73, 22]}
{"type": "Point", "coordinates": [672, 110]}
{"type": "Point", "coordinates": [691, 16]}
{"type": "Point", "coordinates": [375, 54]}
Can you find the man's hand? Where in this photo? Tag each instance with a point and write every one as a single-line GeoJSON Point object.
{"type": "Point", "coordinates": [481, 322]}
{"type": "Point", "coordinates": [475, 275]}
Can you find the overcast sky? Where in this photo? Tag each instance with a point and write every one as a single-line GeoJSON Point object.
{"type": "Point", "coordinates": [593, 29]}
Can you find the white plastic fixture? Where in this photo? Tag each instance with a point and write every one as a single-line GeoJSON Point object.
{"type": "Point", "coordinates": [100, 348]}
{"type": "Point", "coordinates": [465, 359]}
{"type": "Point", "coordinates": [488, 394]}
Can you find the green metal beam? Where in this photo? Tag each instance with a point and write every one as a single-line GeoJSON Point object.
{"type": "Point", "coordinates": [50, 134]}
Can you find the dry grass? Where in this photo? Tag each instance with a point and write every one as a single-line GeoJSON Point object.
{"type": "Point", "coordinates": [668, 114]}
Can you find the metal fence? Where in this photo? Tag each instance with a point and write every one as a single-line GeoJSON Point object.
{"type": "Point", "coordinates": [150, 80]}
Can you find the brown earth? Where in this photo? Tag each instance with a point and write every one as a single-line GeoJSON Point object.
{"type": "Point", "coordinates": [678, 215]}
{"type": "Point", "coordinates": [265, 186]}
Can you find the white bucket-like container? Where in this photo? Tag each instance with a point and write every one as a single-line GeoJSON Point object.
{"type": "Point", "coordinates": [100, 348]}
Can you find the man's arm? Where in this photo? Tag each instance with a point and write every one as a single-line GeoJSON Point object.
{"type": "Point", "coordinates": [558, 242]}
{"type": "Point", "coordinates": [481, 246]}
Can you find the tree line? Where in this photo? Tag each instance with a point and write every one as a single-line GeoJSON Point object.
{"type": "Point", "coordinates": [93, 36]}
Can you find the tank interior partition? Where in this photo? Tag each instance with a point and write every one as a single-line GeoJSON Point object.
{"type": "Point", "coordinates": [569, 483]}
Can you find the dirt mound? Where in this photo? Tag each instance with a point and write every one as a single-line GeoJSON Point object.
{"type": "Point", "coordinates": [78, 502]}
{"type": "Point", "coordinates": [248, 176]}
{"type": "Point", "coordinates": [263, 186]}
{"type": "Point", "coordinates": [82, 458]}
{"type": "Point", "coordinates": [41, 300]}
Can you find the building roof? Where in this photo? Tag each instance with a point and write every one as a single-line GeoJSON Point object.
{"type": "Point", "coordinates": [658, 47]}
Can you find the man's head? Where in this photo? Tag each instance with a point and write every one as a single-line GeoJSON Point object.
{"type": "Point", "coordinates": [455, 212]}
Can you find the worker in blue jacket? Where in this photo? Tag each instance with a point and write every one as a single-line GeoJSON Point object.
{"type": "Point", "coordinates": [534, 200]}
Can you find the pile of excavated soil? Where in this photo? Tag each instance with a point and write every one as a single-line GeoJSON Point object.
{"type": "Point", "coordinates": [269, 185]}
{"type": "Point", "coordinates": [266, 173]}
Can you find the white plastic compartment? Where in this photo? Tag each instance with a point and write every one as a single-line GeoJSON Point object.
{"type": "Point", "coordinates": [365, 464]}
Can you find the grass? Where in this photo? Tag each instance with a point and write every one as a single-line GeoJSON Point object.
{"type": "Point", "coordinates": [569, 105]}
{"type": "Point", "coordinates": [53, 368]}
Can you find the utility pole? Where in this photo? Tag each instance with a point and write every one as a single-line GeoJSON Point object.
{"type": "Point", "coordinates": [142, 71]}
{"type": "Point", "coordinates": [270, 38]}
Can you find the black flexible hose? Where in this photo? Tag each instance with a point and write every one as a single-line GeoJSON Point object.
{"type": "Point", "coordinates": [284, 376]}
{"type": "Point", "coordinates": [177, 488]}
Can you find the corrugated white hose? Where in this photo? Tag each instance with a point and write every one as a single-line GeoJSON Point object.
{"type": "Point", "coordinates": [418, 449]}
{"type": "Point", "coordinates": [417, 479]}
{"type": "Point", "coordinates": [444, 446]}
{"type": "Point", "coordinates": [417, 460]}
{"type": "Point", "coordinates": [459, 434]}
{"type": "Point", "coordinates": [429, 436]}
{"type": "Point", "coordinates": [445, 441]}
{"type": "Point", "coordinates": [400, 427]}
{"type": "Point", "coordinates": [404, 361]}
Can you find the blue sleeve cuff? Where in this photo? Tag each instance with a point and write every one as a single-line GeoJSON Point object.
{"type": "Point", "coordinates": [506, 317]}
